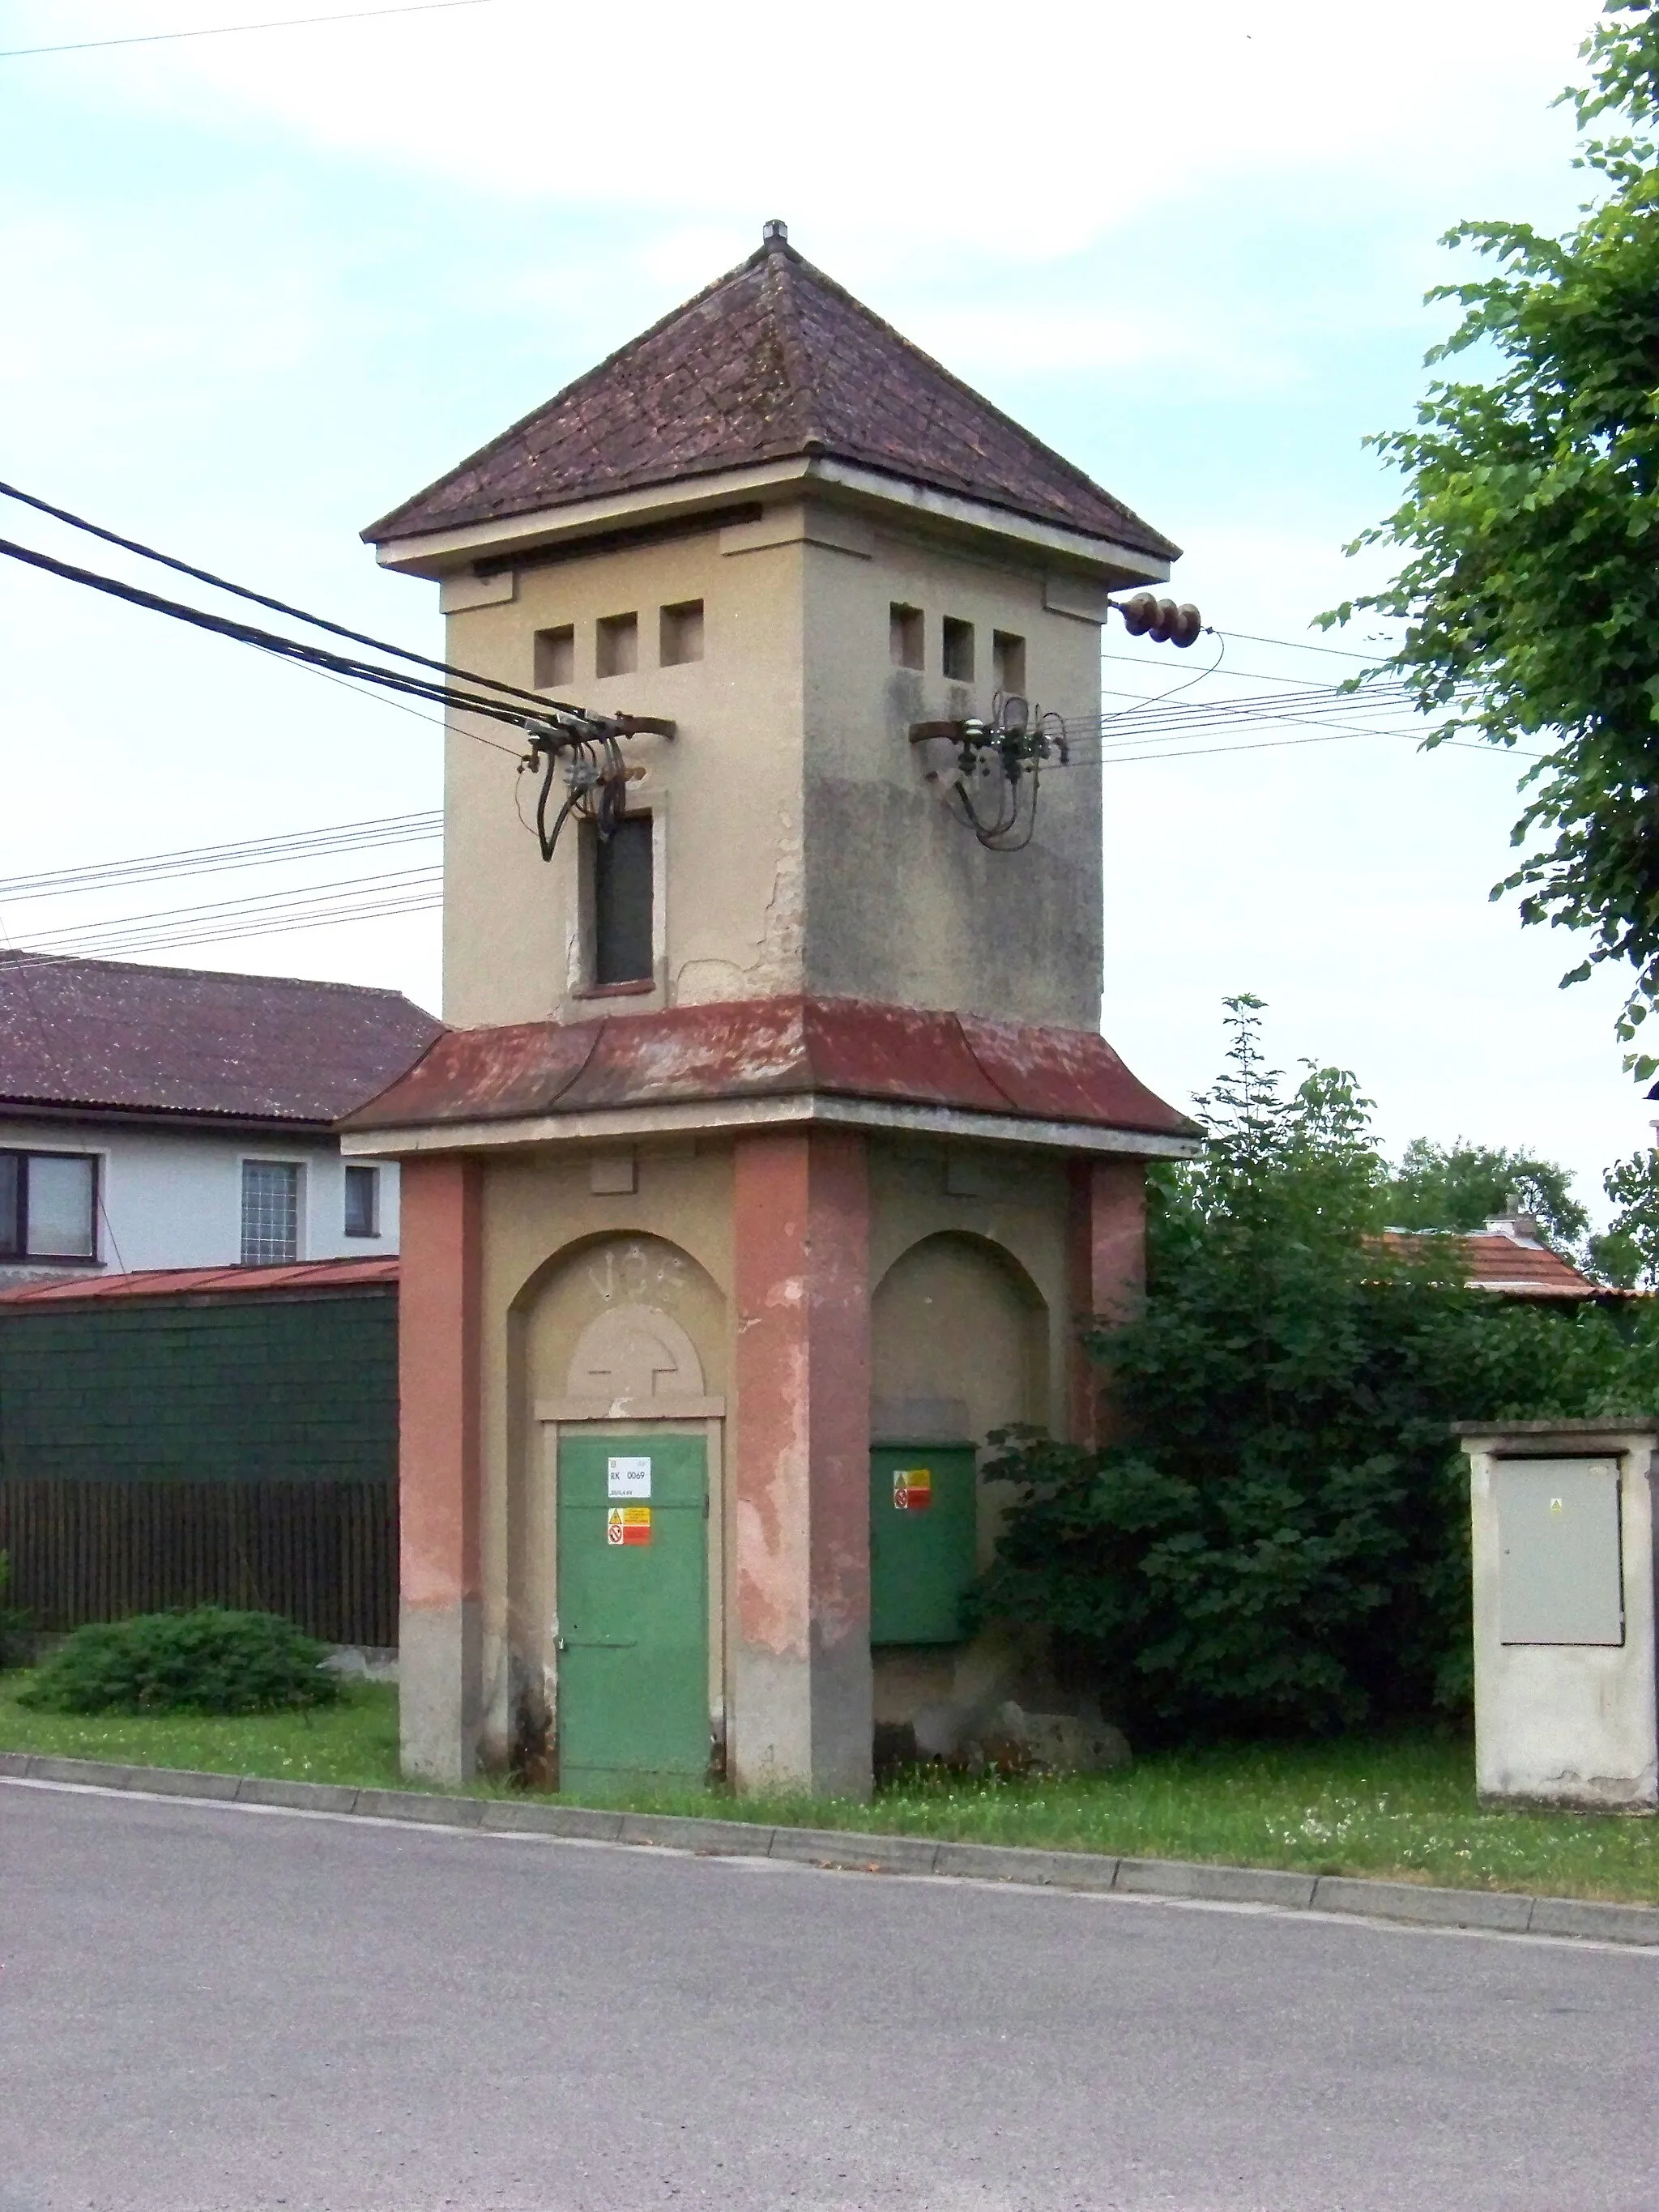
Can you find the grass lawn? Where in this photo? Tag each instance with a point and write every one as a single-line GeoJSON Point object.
{"type": "Point", "coordinates": [1401, 1807]}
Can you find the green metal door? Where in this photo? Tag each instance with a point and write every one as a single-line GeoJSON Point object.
{"type": "Point", "coordinates": [923, 1512]}
{"type": "Point", "coordinates": [633, 1609]}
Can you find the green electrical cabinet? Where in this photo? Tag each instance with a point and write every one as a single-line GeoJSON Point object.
{"type": "Point", "coordinates": [923, 1519]}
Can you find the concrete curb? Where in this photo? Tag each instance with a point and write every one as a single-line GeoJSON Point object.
{"type": "Point", "coordinates": [1500, 1911]}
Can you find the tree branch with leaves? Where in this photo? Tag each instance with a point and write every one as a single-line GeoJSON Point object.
{"type": "Point", "coordinates": [1530, 588]}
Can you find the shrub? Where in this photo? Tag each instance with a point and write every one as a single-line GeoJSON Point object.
{"type": "Point", "coordinates": [1277, 1540]}
{"type": "Point", "coordinates": [208, 1660]}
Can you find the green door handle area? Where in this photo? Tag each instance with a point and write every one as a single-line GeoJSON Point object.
{"type": "Point", "coordinates": [598, 1643]}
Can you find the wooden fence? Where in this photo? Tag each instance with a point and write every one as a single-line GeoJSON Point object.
{"type": "Point", "coordinates": [322, 1554]}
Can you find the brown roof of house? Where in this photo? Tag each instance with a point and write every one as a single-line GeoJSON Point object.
{"type": "Point", "coordinates": [299, 1277]}
{"type": "Point", "coordinates": [111, 1033]}
{"type": "Point", "coordinates": [770, 1049]}
{"type": "Point", "coordinates": [1491, 1260]}
{"type": "Point", "coordinates": [773, 361]}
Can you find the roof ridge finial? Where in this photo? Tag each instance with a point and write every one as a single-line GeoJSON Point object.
{"type": "Point", "coordinates": [774, 233]}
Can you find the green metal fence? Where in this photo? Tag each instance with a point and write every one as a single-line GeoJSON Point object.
{"type": "Point", "coordinates": [239, 1450]}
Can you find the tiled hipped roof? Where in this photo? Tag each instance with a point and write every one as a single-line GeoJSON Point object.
{"type": "Point", "coordinates": [1492, 1260]}
{"type": "Point", "coordinates": [774, 362]}
{"type": "Point", "coordinates": [129, 1039]}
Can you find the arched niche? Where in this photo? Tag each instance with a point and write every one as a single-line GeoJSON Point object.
{"type": "Point", "coordinates": [621, 1319]}
{"type": "Point", "coordinates": [959, 1341]}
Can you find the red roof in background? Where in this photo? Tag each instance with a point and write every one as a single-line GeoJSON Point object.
{"type": "Point", "coordinates": [133, 1039]}
{"type": "Point", "coordinates": [1491, 1260]}
{"type": "Point", "coordinates": [206, 1282]}
{"type": "Point", "coordinates": [772, 361]}
{"type": "Point", "coordinates": [772, 1049]}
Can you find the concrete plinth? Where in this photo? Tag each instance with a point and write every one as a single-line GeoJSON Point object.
{"type": "Point", "coordinates": [800, 1660]}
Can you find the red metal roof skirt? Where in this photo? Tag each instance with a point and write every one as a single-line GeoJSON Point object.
{"type": "Point", "coordinates": [772, 1049]}
{"type": "Point", "coordinates": [196, 1282]}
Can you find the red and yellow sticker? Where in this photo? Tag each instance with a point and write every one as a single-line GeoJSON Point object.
{"type": "Point", "coordinates": [628, 1524]}
{"type": "Point", "coordinates": [913, 1489]}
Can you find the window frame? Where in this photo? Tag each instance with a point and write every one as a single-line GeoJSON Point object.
{"type": "Point", "coordinates": [296, 1169]}
{"type": "Point", "coordinates": [23, 1256]}
{"type": "Point", "coordinates": [352, 1175]}
{"type": "Point", "coordinates": [599, 985]}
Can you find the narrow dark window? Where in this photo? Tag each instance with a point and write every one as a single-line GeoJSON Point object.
{"type": "Point", "coordinates": [48, 1205]}
{"type": "Point", "coordinates": [617, 646]}
{"type": "Point", "coordinates": [622, 904]}
{"type": "Point", "coordinates": [271, 1213]}
{"type": "Point", "coordinates": [958, 650]}
{"type": "Point", "coordinates": [681, 634]}
{"type": "Point", "coordinates": [905, 635]}
{"type": "Point", "coordinates": [1008, 663]}
{"type": "Point", "coordinates": [11, 1205]}
{"type": "Point", "coordinates": [362, 1201]}
{"type": "Point", "coordinates": [555, 657]}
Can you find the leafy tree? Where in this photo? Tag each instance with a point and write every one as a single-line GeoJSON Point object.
{"type": "Point", "coordinates": [1463, 1185]}
{"type": "Point", "coordinates": [1628, 1253]}
{"type": "Point", "coordinates": [1277, 1540]}
{"type": "Point", "coordinates": [1530, 524]}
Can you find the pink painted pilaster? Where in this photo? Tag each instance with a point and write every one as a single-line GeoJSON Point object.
{"type": "Point", "coordinates": [438, 1387]}
{"type": "Point", "coordinates": [1106, 1231]}
{"type": "Point", "coordinates": [801, 1647]}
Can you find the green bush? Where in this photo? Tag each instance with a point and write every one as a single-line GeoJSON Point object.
{"type": "Point", "coordinates": [208, 1660]}
{"type": "Point", "coordinates": [16, 1624]}
{"type": "Point", "coordinates": [1277, 1540]}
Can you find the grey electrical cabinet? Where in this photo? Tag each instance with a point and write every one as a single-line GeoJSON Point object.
{"type": "Point", "coordinates": [1566, 1640]}
{"type": "Point", "coordinates": [1560, 1576]}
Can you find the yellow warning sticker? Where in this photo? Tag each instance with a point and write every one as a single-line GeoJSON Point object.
{"type": "Point", "coordinates": [628, 1524]}
{"type": "Point", "coordinates": [913, 1489]}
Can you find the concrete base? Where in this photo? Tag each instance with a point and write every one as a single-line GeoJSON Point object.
{"type": "Point", "coordinates": [439, 1700]}
{"type": "Point", "coordinates": [800, 1724]}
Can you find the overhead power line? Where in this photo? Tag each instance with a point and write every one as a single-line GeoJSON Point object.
{"type": "Point", "coordinates": [536, 699]}
{"type": "Point", "coordinates": [251, 916]}
{"type": "Point", "coordinates": [235, 30]}
{"type": "Point", "coordinates": [215, 859]}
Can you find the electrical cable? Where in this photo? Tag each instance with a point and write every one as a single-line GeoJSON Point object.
{"type": "Point", "coordinates": [393, 879]}
{"type": "Point", "coordinates": [266, 640]}
{"type": "Point", "coordinates": [232, 30]}
{"type": "Point", "coordinates": [1296, 645]}
{"type": "Point", "coordinates": [213, 859]}
{"type": "Point", "coordinates": [1153, 697]}
{"type": "Point", "coordinates": [538, 700]}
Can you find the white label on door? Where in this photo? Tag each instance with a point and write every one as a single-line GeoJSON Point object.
{"type": "Point", "coordinates": [628, 1477]}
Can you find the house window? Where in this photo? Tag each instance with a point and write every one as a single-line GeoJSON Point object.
{"type": "Point", "coordinates": [617, 646]}
{"type": "Point", "coordinates": [362, 1201]}
{"type": "Point", "coordinates": [270, 1212]}
{"type": "Point", "coordinates": [622, 904]}
{"type": "Point", "coordinates": [905, 635]}
{"type": "Point", "coordinates": [1008, 663]}
{"type": "Point", "coordinates": [681, 634]}
{"type": "Point", "coordinates": [555, 656]}
{"type": "Point", "coordinates": [48, 1205]}
{"type": "Point", "coordinates": [958, 650]}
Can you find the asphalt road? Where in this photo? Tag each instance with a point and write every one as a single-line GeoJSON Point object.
{"type": "Point", "coordinates": [208, 2010]}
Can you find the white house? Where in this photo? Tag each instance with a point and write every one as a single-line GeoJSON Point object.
{"type": "Point", "coordinates": [170, 1117]}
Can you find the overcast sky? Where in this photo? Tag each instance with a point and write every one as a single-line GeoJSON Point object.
{"type": "Point", "coordinates": [259, 288]}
